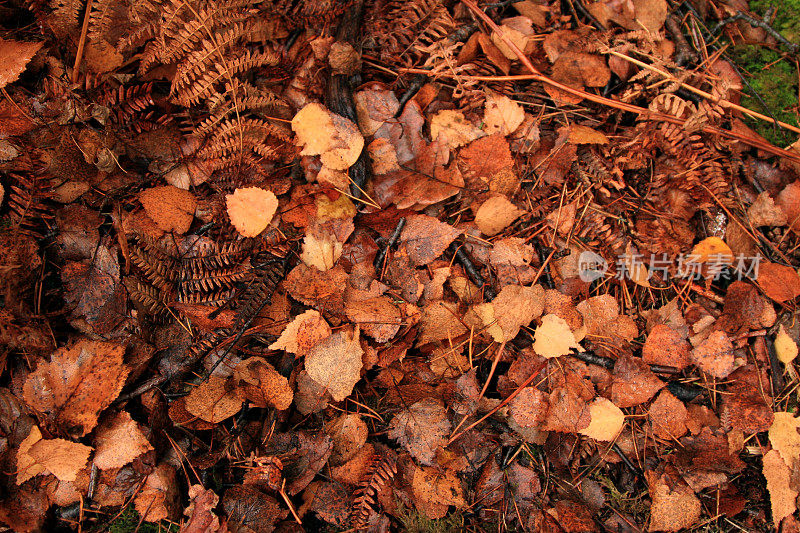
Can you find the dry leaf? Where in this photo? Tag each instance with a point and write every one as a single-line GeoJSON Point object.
{"type": "Point", "coordinates": [529, 407]}
{"type": "Point", "coordinates": [452, 129]}
{"type": "Point", "coordinates": [251, 210]}
{"type": "Point", "coordinates": [518, 30]}
{"type": "Point", "coordinates": [779, 282]}
{"type": "Point", "coordinates": [495, 214]}
{"type": "Point", "coordinates": [782, 495]}
{"type": "Point", "coordinates": [712, 250]}
{"type": "Point", "coordinates": [675, 505]}
{"type": "Point", "coordinates": [789, 202]}
{"type": "Point", "coordinates": [259, 382]}
{"type": "Point", "coordinates": [785, 347]}
{"type": "Point", "coordinates": [377, 317]}
{"type": "Point", "coordinates": [334, 138]}
{"type": "Point", "coordinates": [668, 416]}
{"type": "Point", "coordinates": [200, 513]}
{"type": "Point", "coordinates": [606, 420]}
{"type": "Point", "coordinates": [119, 440]}
{"type": "Point", "coordinates": [214, 400]}
{"type": "Point", "coordinates": [665, 346]}
{"type": "Point", "coordinates": [302, 333]}
{"type": "Point", "coordinates": [434, 491]}
{"type": "Point", "coordinates": [439, 321]}
{"type": "Point", "coordinates": [553, 337]}
{"type": "Point", "coordinates": [634, 382]}
{"type": "Point", "coordinates": [715, 355]}
{"type": "Point", "coordinates": [14, 56]}
{"type": "Point", "coordinates": [502, 115]}
{"type": "Point", "coordinates": [62, 458]}
{"type": "Point", "coordinates": [77, 384]}
{"type": "Point", "coordinates": [158, 498]}
{"type": "Point", "coordinates": [764, 212]}
{"type": "Point", "coordinates": [349, 433]}
{"type": "Point", "coordinates": [426, 238]}
{"type": "Point", "coordinates": [421, 429]}
{"type": "Point", "coordinates": [321, 251]}
{"type": "Point", "coordinates": [171, 208]}
{"type": "Point", "coordinates": [335, 363]}
{"type": "Point", "coordinates": [784, 437]}
{"type": "Point", "coordinates": [585, 135]}
{"type": "Point", "coordinates": [514, 307]}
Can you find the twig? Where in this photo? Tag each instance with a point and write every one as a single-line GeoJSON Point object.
{"type": "Point", "coordinates": [82, 42]}
{"type": "Point", "coordinates": [380, 257]}
{"type": "Point", "coordinates": [469, 267]}
{"type": "Point", "coordinates": [683, 50]}
{"type": "Point", "coordinates": [763, 24]}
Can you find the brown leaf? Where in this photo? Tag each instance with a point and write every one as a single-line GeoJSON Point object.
{"type": "Point", "coordinates": [59, 457]}
{"type": "Point", "coordinates": [439, 321]}
{"type": "Point", "coordinates": [158, 498]}
{"type": "Point", "coordinates": [779, 282]}
{"type": "Point", "coordinates": [421, 429]}
{"type": "Point", "coordinates": [513, 308]}
{"type": "Point", "coordinates": [453, 130]}
{"type": "Point", "coordinates": [668, 416]}
{"type": "Point", "coordinates": [426, 238]}
{"type": "Point", "coordinates": [634, 382]}
{"type": "Point", "coordinates": [14, 56]}
{"type": "Point", "coordinates": [94, 288]}
{"type": "Point", "coordinates": [330, 501]}
{"type": "Point", "coordinates": [200, 513]}
{"type": "Point", "coordinates": [782, 495]}
{"type": "Point", "coordinates": [335, 363]}
{"type": "Point", "coordinates": [435, 491]}
{"type": "Point", "coordinates": [715, 355]}
{"type": "Point", "coordinates": [349, 433]}
{"type": "Point", "coordinates": [487, 164]}
{"type": "Point", "coordinates": [77, 384]}
{"type": "Point", "coordinates": [119, 440]}
{"type": "Point", "coordinates": [675, 505]}
{"type": "Point", "coordinates": [249, 509]}
{"type": "Point", "coordinates": [495, 214]}
{"type": "Point", "coordinates": [251, 209]}
{"type": "Point", "coordinates": [377, 317]}
{"type": "Point", "coordinates": [529, 407]}
{"type": "Point", "coordinates": [171, 208]}
{"type": "Point", "coordinates": [302, 333]}
{"type": "Point", "coordinates": [665, 346]}
{"type": "Point", "coordinates": [214, 400]}
{"type": "Point", "coordinates": [259, 382]}
{"type": "Point", "coordinates": [568, 412]}
{"type": "Point", "coordinates": [784, 436]}
{"type": "Point", "coordinates": [764, 212]}
{"type": "Point", "coordinates": [312, 287]}
{"type": "Point", "coordinates": [502, 115]}
{"type": "Point", "coordinates": [789, 202]}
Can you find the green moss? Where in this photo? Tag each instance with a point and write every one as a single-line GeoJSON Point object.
{"type": "Point", "coordinates": [770, 75]}
{"type": "Point", "coordinates": [129, 519]}
{"type": "Point", "coordinates": [415, 522]}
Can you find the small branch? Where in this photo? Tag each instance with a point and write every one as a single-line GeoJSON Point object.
{"type": "Point", "coordinates": [469, 267]}
{"type": "Point", "coordinates": [763, 24]}
{"type": "Point", "coordinates": [380, 257]}
{"type": "Point", "coordinates": [82, 43]}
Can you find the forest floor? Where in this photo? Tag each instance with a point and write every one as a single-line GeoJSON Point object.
{"type": "Point", "coordinates": [399, 265]}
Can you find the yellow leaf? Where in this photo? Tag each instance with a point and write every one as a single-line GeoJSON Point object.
{"type": "Point", "coordinates": [450, 127]}
{"type": "Point", "coordinates": [502, 115]}
{"type": "Point", "coordinates": [553, 338]}
{"type": "Point", "coordinates": [321, 251]}
{"type": "Point", "coordinates": [302, 333]}
{"type": "Point", "coordinates": [251, 210]}
{"type": "Point", "coordinates": [785, 347]}
{"type": "Point", "coordinates": [784, 437]}
{"type": "Point", "coordinates": [334, 138]}
{"type": "Point", "coordinates": [606, 420]}
{"type": "Point", "coordinates": [712, 249]}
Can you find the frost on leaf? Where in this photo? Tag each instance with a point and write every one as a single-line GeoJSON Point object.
{"type": "Point", "coordinates": [335, 363]}
{"type": "Point", "coordinates": [421, 429]}
{"type": "Point", "coordinates": [251, 209]}
{"type": "Point", "coordinates": [77, 384]}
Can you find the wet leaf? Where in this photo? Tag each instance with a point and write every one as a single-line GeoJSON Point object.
{"type": "Point", "coordinates": [251, 210]}
{"type": "Point", "coordinates": [335, 363]}
{"type": "Point", "coordinates": [421, 429]}
{"type": "Point", "coordinates": [606, 420]}
{"type": "Point", "coordinates": [214, 400]}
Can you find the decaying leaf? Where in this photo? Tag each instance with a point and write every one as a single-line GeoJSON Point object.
{"type": "Point", "coordinates": [77, 384]}
{"type": "Point", "coordinates": [251, 210]}
{"type": "Point", "coordinates": [668, 416]}
{"type": "Point", "coordinates": [784, 436]}
{"type": "Point", "coordinates": [675, 505]}
{"type": "Point", "coordinates": [200, 513]}
{"type": "Point", "coordinates": [715, 355]}
{"type": "Point", "coordinates": [349, 433]}
{"type": "Point", "coordinates": [435, 491]}
{"type": "Point", "coordinates": [785, 347]}
{"type": "Point", "coordinates": [554, 337]}
{"type": "Point", "coordinates": [421, 429]}
{"type": "Point", "coordinates": [502, 115]}
{"type": "Point", "coordinates": [119, 441]}
{"type": "Point", "coordinates": [158, 498]}
{"type": "Point", "coordinates": [451, 128]}
{"type": "Point", "coordinates": [14, 56]}
{"type": "Point", "coordinates": [377, 317]}
{"type": "Point", "coordinates": [171, 208]}
{"type": "Point", "coordinates": [59, 457]}
{"type": "Point", "coordinates": [426, 238]}
{"type": "Point", "coordinates": [321, 251]}
{"type": "Point", "coordinates": [606, 420]}
{"type": "Point", "coordinates": [779, 282]}
{"type": "Point", "coordinates": [495, 214]}
{"type": "Point", "coordinates": [335, 363]}
{"type": "Point", "coordinates": [262, 385]}
{"type": "Point", "coordinates": [214, 400]}
{"type": "Point", "coordinates": [782, 495]}
{"type": "Point", "coordinates": [512, 309]}
{"type": "Point", "coordinates": [302, 333]}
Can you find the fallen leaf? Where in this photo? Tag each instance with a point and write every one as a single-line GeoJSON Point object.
{"type": "Point", "coordinates": [439, 321]}
{"type": "Point", "coordinates": [715, 355]}
{"type": "Point", "coordinates": [675, 505]}
{"type": "Point", "coordinates": [302, 333]}
{"type": "Point", "coordinates": [77, 384]}
{"type": "Point", "coordinates": [668, 416]}
{"type": "Point", "coordinates": [119, 440]}
{"type": "Point", "coordinates": [585, 135]}
{"type": "Point", "coordinates": [568, 412]}
{"type": "Point", "coordinates": [487, 164]}
{"type": "Point", "coordinates": [529, 407]}
{"type": "Point", "coordinates": [321, 251]}
{"type": "Point", "coordinates": [453, 130]}
{"type": "Point", "coordinates": [606, 420]}
{"type": "Point", "coordinates": [764, 212]}
{"type": "Point", "coordinates": [785, 347]}
{"type": "Point", "coordinates": [554, 338]}
{"type": "Point", "coordinates": [779, 282]}
{"type": "Point", "coordinates": [314, 287]}
{"type": "Point", "coordinates": [633, 382]}
{"type": "Point", "coordinates": [502, 115]}
{"type": "Point", "coordinates": [784, 437]}
{"type": "Point", "coordinates": [62, 458]}
{"type": "Point", "coordinates": [335, 363]}
{"type": "Point", "coordinates": [251, 209]}
{"type": "Point", "coordinates": [426, 238]}
{"type": "Point", "coordinates": [334, 138]}
{"type": "Point", "coordinates": [158, 497]}
{"type": "Point", "coordinates": [348, 433]}
{"type": "Point", "coordinates": [434, 491]}
{"type": "Point", "coordinates": [200, 512]}
{"type": "Point", "coordinates": [14, 57]}
{"type": "Point", "coordinates": [171, 208]}
{"type": "Point", "coordinates": [782, 495]}
{"type": "Point", "coordinates": [665, 346]}
{"type": "Point", "coordinates": [377, 317]}
{"type": "Point", "coordinates": [518, 30]}
{"type": "Point", "coordinates": [249, 509]}
{"type": "Point", "coordinates": [495, 214]}
{"type": "Point", "coordinates": [214, 400]}
{"type": "Point", "coordinates": [712, 250]}
{"type": "Point", "coordinates": [262, 385]}
{"type": "Point", "coordinates": [516, 306]}
{"type": "Point", "coordinates": [789, 202]}
{"type": "Point", "coordinates": [421, 429]}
